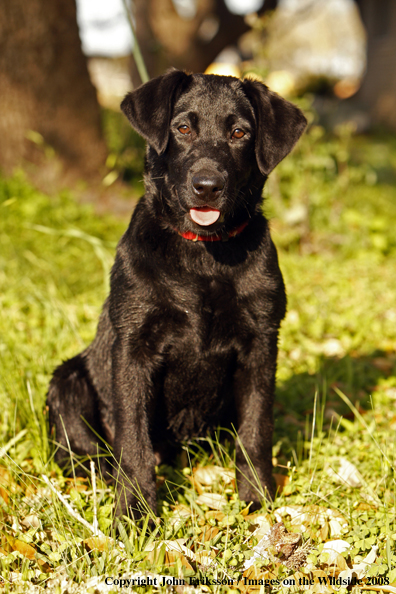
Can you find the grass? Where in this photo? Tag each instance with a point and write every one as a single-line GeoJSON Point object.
{"type": "Point", "coordinates": [333, 210]}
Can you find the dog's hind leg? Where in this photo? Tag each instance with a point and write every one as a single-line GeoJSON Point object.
{"type": "Point", "coordinates": [73, 408]}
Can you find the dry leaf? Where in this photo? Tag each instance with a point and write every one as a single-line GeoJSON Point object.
{"type": "Point", "coordinates": [303, 517]}
{"type": "Point", "coordinates": [333, 558]}
{"type": "Point", "coordinates": [210, 532]}
{"type": "Point", "coordinates": [22, 547]}
{"type": "Point", "coordinates": [360, 569]}
{"type": "Point", "coordinates": [171, 558]}
{"type": "Point", "coordinates": [30, 491]}
{"type": "Point", "coordinates": [347, 474]}
{"type": "Point", "coordinates": [181, 513]}
{"type": "Point", "coordinates": [44, 566]}
{"type": "Point", "coordinates": [256, 573]}
{"type": "Point", "coordinates": [212, 500]}
{"type": "Point", "coordinates": [5, 483]}
{"type": "Point", "coordinates": [4, 494]}
{"type": "Point", "coordinates": [334, 548]}
{"type": "Point", "coordinates": [209, 475]}
{"type": "Point", "coordinates": [262, 521]}
{"type": "Point", "coordinates": [364, 506]}
{"type": "Point", "coordinates": [76, 484]}
{"type": "Point", "coordinates": [98, 543]}
{"type": "Point", "coordinates": [204, 558]}
{"type": "Point", "coordinates": [337, 522]}
{"type": "Point", "coordinates": [318, 588]}
{"type": "Point", "coordinates": [324, 531]}
{"type": "Point", "coordinates": [217, 515]}
{"type": "Point", "coordinates": [196, 485]}
{"type": "Point", "coordinates": [281, 481]}
{"type": "Point", "coordinates": [31, 521]}
{"type": "Point", "coordinates": [174, 549]}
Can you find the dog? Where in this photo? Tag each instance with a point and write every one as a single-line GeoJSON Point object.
{"type": "Point", "coordinates": [187, 339]}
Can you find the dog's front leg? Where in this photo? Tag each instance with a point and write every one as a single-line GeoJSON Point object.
{"type": "Point", "coordinates": [133, 396]}
{"type": "Point", "coordinates": [254, 385]}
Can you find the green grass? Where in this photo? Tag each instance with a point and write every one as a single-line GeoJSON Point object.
{"type": "Point", "coordinates": [333, 210]}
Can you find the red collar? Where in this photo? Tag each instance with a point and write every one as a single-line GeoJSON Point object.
{"type": "Point", "coordinates": [217, 237]}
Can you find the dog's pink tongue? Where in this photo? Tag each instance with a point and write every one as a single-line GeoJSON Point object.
{"type": "Point", "coordinates": [204, 215]}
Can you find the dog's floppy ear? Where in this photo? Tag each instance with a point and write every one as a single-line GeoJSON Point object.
{"type": "Point", "coordinates": [279, 125]}
{"type": "Point", "coordinates": [149, 107]}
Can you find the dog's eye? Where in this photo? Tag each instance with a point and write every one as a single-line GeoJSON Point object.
{"type": "Point", "coordinates": [185, 129]}
{"type": "Point", "coordinates": [238, 133]}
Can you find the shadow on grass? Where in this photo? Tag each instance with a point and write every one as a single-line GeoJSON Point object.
{"type": "Point", "coordinates": [356, 376]}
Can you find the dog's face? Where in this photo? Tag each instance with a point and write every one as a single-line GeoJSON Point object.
{"type": "Point", "coordinates": [212, 142]}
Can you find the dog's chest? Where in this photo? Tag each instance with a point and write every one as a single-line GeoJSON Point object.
{"type": "Point", "coordinates": [200, 365]}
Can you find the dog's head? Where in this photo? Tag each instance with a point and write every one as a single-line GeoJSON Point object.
{"type": "Point", "coordinates": [212, 140]}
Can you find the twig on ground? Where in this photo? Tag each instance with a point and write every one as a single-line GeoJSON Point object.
{"type": "Point", "coordinates": [72, 512]}
{"type": "Point", "coordinates": [12, 442]}
{"type": "Point", "coordinates": [95, 524]}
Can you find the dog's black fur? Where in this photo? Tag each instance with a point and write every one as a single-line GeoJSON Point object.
{"type": "Point", "coordinates": [187, 339]}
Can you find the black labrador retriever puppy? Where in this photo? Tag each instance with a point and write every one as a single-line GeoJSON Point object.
{"type": "Point", "coordinates": [187, 339]}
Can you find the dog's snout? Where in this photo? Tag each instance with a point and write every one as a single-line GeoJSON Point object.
{"type": "Point", "coordinates": [208, 186]}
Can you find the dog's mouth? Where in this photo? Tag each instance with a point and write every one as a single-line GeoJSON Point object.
{"type": "Point", "coordinates": [204, 215]}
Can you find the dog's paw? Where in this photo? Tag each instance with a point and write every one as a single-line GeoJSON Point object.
{"type": "Point", "coordinates": [254, 493]}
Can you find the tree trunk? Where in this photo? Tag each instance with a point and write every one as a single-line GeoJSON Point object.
{"type": "Point", "coordinates": [378, 91]}
{"type": "Point", "coordinates": [167, 39]}
{"type": "Point", "coordinates": [45, 86]}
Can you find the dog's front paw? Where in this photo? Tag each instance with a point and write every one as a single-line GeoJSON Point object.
{"type": "Point", "coordinates": [133, 502]}
{"type": "Point", "coordinates": [253, 490]}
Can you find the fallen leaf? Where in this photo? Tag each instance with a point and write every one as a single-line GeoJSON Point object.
{"type": "Point", "coordinates": [181, 513]}
{"type": "Point", "coordinates": [210, 532]}
{"type": "Point", "coordinates": [212, 500]}
{"type": "Point", "coordinates": [173, 549]}
{"type": "Point", "coordinates": [44, 566]}
{"type": "Point", "coordinates": [209, 475]}
{"type": "Point", "coordinates": [217, 515]}
{"type": "Point", "coordinates": [360, 569]}
{"type": "Point", "coordinates": [4, 495]}
{"type": "Point", "coordinates": [364, 506]}
{"type": "Point", "coordinates": [333, 558]}
{"type": "Point", "coordinates": [22, 547]}
{"type": "Point", "coordinates": [262, 521]}
{"type": "Point", "coordinates": [204, 558]}
{"type": "Point", "coordinates": [196, 484]}
{"type": "Point", "coordinates": [31, 521]}
{"type": "Point", "coordinates": [5, 482]}
{"type": "Point", "coordinates": [171, 558]}
{"type": "Point", "coordinates": [303, 517]}
{"type": "Point", "coordinates": [77, 484]}
{"type": "Point", "coordinates": [324, 531]}
{"type": "Point", "coordinates": [347, 474]}
{"type": "Point", "coordinates": [257, 574]}
{"type": "Point", "coordinates": [338, 546]}
{"type": "Point", "coordinates": [98, 543]}
{"type": "Point", "coordinates": [281, 481]}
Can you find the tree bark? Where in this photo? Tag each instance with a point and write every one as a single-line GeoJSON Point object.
{"type": "Point", "coordinates": [378, 91]}
{"type": "Point", "coordinates": [45, 86]}
{"type": "Point", "coordinates": [166, 39]}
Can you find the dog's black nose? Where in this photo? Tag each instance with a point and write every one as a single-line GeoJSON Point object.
{"type": "Point", "coordinates": [208, 187]}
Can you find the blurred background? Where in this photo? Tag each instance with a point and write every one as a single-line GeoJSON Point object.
{"type": "Point", "coordinates": [64, 69]}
